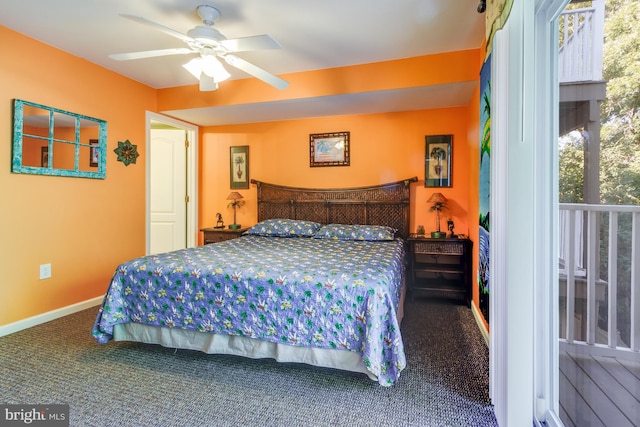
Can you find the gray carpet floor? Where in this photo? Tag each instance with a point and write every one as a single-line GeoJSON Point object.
{"type": "Point", "coordinates": [130, 384]}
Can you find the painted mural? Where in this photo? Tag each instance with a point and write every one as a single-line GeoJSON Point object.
{"type": "Point", "coordinates": [485, 187]}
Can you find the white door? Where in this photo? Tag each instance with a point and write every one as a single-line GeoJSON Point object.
{"type": "Point", "coordinates": [168, 190]}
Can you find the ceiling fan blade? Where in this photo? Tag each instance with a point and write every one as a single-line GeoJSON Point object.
{"type": "Point", "coordinates": [240, 44]}
{"type": "Point", "coordinates": [151, 53]}
{"type": "Point", "coordinates": [157, 26]}
{"type": "Point", "coordinates": [256, 72]}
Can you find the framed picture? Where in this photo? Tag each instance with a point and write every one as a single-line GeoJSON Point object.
{"type": "Point", "coordinates": [93, 153]}
{"type": "Point", "coordinates": [239, 166]}
{"type": "Point", "coordinates": [329, 149]}
{"type": "Point", "coordinates": [438, 161]}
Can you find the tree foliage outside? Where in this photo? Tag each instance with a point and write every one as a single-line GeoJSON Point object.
{"type": "Point", "coordinates": [620, 133]}
{"type": "Point", "coordinates": [571, 165]}
{"type": "Point", "coordinates": [619, 145]}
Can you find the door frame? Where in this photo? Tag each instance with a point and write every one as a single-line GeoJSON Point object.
{"type": "Point", "coordinates": [192, 175]}
{"type": "Point", "coordinates": [546, 311]}
{"type": "Point", "coordinates": [524, 189]}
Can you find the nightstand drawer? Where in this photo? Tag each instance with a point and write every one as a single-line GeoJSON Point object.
{"type": "Point", "coordinates": [436, 248]}
{"type": "Point", "coordinates": [215, 235]}
{"type": "Point", "coordinates": [218, 237]}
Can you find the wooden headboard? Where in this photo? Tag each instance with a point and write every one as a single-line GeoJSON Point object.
{"type": "Point", "coordinates": [385, 204]}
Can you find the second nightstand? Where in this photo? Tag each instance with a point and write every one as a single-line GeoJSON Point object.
{"type": "Point", "coordinates": [213, 235]}
{"type": "Point", "coordinates": [440, 267]}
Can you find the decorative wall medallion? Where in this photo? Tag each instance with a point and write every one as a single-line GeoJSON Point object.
{"type": "Point", "coordinates": [127, 152]}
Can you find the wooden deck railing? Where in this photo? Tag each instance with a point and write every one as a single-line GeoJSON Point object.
{"type": "Point", "coordinates": [581, 40]}
{"type": "Point", "coordinates": [587, 232]}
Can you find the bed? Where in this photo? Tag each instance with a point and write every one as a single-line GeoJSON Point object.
{"type": "Point", "coordinates": [318, 280]}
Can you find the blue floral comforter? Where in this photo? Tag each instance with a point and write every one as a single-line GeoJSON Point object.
{"type": "Point", "coordinates": [307, 292]}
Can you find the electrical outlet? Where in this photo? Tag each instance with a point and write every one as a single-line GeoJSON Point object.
{"type": "Point", "coordinates": [45, 271]}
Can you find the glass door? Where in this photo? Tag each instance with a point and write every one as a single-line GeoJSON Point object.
{"type": "Point", "coordinates": [599, 213]}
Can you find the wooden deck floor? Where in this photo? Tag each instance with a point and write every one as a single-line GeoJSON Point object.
{"type": "Point", "coordinates": [599, 391]}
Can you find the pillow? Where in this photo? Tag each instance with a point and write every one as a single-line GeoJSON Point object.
{"type": "Point", "coordinates": [285, 228]}
{"type": "Point", "coordinates": [370, 233]}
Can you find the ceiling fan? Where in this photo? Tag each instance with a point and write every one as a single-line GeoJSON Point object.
{"type": "Point", "coordinates": [210, 44]}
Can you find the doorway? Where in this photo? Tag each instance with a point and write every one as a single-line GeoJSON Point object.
{"type": "Point", "coordinates": [171, 184]}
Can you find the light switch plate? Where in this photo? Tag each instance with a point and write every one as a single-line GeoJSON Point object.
{"type": "Point", "coordinates": [45, 271]}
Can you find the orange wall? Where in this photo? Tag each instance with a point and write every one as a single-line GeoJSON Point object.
{"type": "Point", "coordinates": [384, 148]}
{"type": "Point", "coordinates": [83, 227]}
{"type": "Point", "coordinates": [437, 69]}
{"type": "Point", "coordinates": [473, 177]}
{"type": "Point", "coordinates": [86, 227]}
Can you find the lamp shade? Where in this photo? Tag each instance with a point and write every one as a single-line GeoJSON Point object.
{"type": "Point", "coordinates": [235, 196]}
{"type": "Point", "coordinates": [213, 68]}
{"type": "Point", "coordinates": [437, 198]}
{"type": "Point", "coordinates": [208, 65]}
{"type": "Point", "coordinates": [207, 84]}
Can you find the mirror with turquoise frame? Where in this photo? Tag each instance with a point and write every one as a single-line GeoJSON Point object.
{"type": "Point", "coordinates": [50, 141]}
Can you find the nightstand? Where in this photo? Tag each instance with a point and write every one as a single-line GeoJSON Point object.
{"type": "Point", "coordinates": [213, 235]}
{"type": "Point", "coordinates": [440, 267]}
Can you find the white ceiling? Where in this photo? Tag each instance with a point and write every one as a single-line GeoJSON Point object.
{"type": "Point", "coordinates": [314, 34]}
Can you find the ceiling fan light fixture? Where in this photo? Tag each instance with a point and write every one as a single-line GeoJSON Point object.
{"type": "Point", "coordinates": [194, 67]}
{"type": "Point", "coordinates": [213, 68]}
{"type": "Point", "coordinates": [207, 84]}
{"type": "Point", "coordinates": [209, 66]}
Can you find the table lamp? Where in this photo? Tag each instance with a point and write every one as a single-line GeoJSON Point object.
{"type": "Point", "coordinates": [235, 202]}
{"type": "Point", "coordinates": [438, 202]}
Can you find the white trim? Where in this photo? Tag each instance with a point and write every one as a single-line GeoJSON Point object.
{"type": "Point", "coordinates": [523, 221]}
{"type": "Point", "coordinates": [483, 329]}
{"type": "Point", "coordinates": [49, 316]}
{"type": "Point", "coordinates": [498, 248]}
{"type": "Point", "coordinates": [192, 175]}
{"type": "Point", "coordinates": [546, 251]}
{"type": "Point", "coordinates": [515, 229]}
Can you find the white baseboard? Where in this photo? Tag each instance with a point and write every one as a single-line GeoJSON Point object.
{"type": "Point", "coordinates": [50, 315]}
{"type": "Point", "coordinates": [478, 317]}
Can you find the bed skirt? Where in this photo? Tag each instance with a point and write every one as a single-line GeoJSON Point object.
{"type": "Point", "coordinates": [246, 347]}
